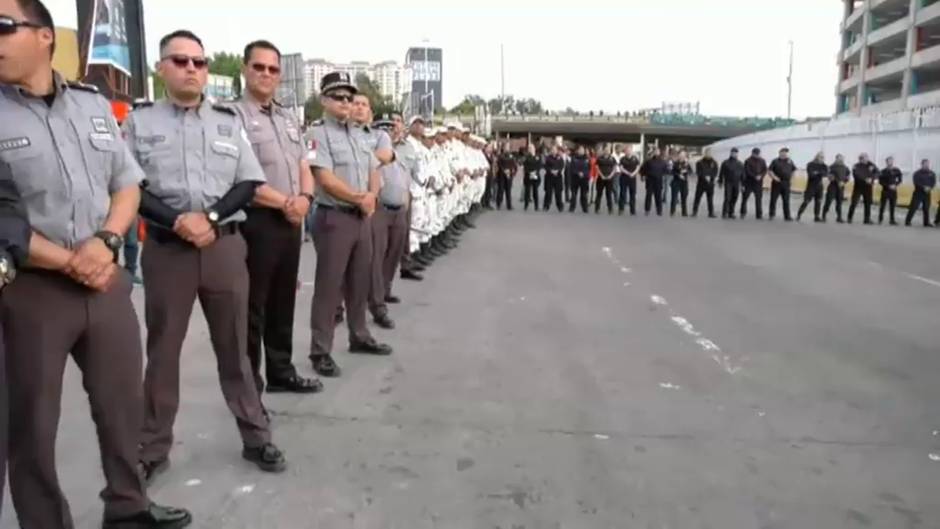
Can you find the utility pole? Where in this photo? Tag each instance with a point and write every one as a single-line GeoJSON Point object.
{"type": "Point", "coordinates": [790, 85]}
{"type": "Point", "coordinates": [502, 77]}
{"type": "Point", "coordinates": [427, 76]}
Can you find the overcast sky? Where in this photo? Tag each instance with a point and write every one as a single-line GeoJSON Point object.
{"type": "Point", "coordinates": [730, 55]}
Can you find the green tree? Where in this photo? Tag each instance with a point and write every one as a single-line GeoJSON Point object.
{"type": "Point", "coordinates": [230, 65]}
{"type": "Point", "coordinates": [468, 105]}
{"type": "Point", "coordinates": [381, 104]}
{"type": "Point", "coordinates": [159, 86]}
{"type": "Point", "coordinates": [313, 109]}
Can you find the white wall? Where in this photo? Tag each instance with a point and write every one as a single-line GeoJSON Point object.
{"type": "Point", "coordinates": [909, 136]}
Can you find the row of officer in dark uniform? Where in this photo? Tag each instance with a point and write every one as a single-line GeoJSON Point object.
{"type": "Point", "coordinates": [744, 180]}
{"type": "Point", "coordinates": [568, 179]}
{"type": "Point", "coordinates": [865, 174]}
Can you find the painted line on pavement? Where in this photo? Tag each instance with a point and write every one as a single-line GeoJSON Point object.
{"type": "Point", "coordinates": [724, 361]}
{"type": "Point", "coordinates": [924, 280]}
{"type": "Point", "coordinates": [915, 277]}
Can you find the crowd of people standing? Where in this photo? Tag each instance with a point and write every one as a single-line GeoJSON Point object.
{"type": "Point", "coordinates": [581, 177]}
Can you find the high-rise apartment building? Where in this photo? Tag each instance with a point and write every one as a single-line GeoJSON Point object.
{"type": "Point", "coordinates": [889, 59]}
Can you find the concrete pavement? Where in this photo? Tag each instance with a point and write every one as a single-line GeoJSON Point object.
{"type": "Point", "coordinates": [572, 371]}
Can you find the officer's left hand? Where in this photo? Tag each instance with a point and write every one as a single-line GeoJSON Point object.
{"type": "Point", "coordinates": [204, 240]}
{"type": "Point", "coordinates": [104, 279]}
{"type": "Point", "coordinates": [296, 209]}
{"type": "Point", "coordinates": [193, 226]}
{"type": "Point", "coordinates": [89, 260]}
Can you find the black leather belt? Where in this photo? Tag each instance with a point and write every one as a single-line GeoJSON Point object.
{"type": "Point", "coordinates": [391, 207]}
{"type": "Point", "coordinates": [165, 236]}
{"type": "Point", "coordinates": [349, 210]}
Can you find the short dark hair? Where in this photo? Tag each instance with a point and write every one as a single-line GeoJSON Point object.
{"type": "Point", "coordinates": [179, 34]}
{"type": "Point", "coordinates": [262, 44]}
{"type": "Point", "coordinates": [38, 13]}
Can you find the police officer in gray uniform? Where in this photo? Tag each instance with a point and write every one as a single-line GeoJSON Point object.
{"type": "Point", "coordinates": [273, 227]}
{"type": "Point", "coordinates": [390, 227]}
{"type": "Point", "coordinates": [14, 251]}
{"type": "Point", "coordinates": [200, 174]}
{"type": "Point", "coordinates": [346, 171]}
{"type": "Point", "coordinates": [80, 189]}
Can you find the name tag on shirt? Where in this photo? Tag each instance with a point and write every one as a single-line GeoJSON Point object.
{"type": "Point", "coordinates": [225, 148]}
{"type": "Point", "coordinates": [14, 143]}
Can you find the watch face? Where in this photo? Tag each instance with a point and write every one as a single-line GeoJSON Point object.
{"type": "Point", "coordinates": [213, 216]}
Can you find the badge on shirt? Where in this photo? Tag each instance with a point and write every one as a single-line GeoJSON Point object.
{"type": "Point", "coordinates": [100, 125]}
{"type": "Point", "coordinates": [225, 130]}
{"type": "Point", "coordinates": [311, 150]}
{"type": "Point", "coordinates": [14, 143]}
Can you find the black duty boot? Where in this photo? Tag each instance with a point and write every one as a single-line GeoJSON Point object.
{"type": "Point", "coordinates": [154, 517]}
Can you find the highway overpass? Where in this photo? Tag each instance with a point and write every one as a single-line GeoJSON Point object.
{"type": "Point", "coordinates": [690, 131]}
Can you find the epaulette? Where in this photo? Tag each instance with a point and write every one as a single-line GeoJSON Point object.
{"type": "Point", "coordinates": [142, 104]}
{"type": "Point", "coordinates": [277, 103]}
{"type": "Point", "coordinates": [82, 86]}
{"type": "Point", "coordinates": [317, 123]}
{"type": "Point", "coordinates": [224, 109]}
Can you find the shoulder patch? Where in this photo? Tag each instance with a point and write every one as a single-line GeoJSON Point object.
{"type": "Point", "coordinates": [82, 86]}
{"type": "Point", "coordinates": [224, 109]}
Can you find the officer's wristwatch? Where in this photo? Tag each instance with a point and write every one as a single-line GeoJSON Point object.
{"type": "Point", "coordinates": [308, 196]}
{"type": "Point", "coordinates": [113, 241]}
{"type": "Point", "coordinates": [7, 271]}
{"type": "Point", "coordinates": [213, 217]}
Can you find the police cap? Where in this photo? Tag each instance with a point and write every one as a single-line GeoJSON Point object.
{"type": "Point", "coordinates": [336, 80]}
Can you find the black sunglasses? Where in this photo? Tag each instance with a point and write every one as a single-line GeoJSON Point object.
{"type": "Point", "coordinates": [8, 26]}
{"type": "Point", "coordinates": [341, 97]}
{"type": "Point", "coordinates": [260, 68]}
{"type": "Point", "coordinates": [182, 61]}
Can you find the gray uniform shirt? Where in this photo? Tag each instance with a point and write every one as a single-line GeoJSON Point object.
{"type": "Point", "coordinates": [275, 139]}
{"type": "Point", "coordinates": [375, 139]}
{"type": "Point", "coordinates": [191, 157]}
{"type": "Point", "coordinates": [340, 148]}
{"type": "Point", "coordinates": [66, 159]}
{"type": "Point", "coordinates": [410, 161]}
{"type": "Point", "coordinates": [395, 184]}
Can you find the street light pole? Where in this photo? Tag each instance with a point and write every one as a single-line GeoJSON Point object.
{"type": "Point", "coordinates": [790, 85]}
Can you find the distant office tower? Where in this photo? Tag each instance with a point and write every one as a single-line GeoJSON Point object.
{"type": "Point", "coordinates": [293, 88]}
{"type": "Point", "coordinates": [427, 73]}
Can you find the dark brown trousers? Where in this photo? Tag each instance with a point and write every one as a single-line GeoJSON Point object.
{"type": "Point", "coordinates": [3, 420]}
{"type": "Point", "coordinates": [46, 318]}
{"type": "Point", "coordinates": [175, 273]}
{"type": "Point", "coordinates": [344, 258]}
{"type": "Point", "coordinates": [389, 237]}
{"type": "Point", "coordinates": [273, 263]}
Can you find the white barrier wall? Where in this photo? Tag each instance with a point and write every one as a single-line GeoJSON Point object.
{"type": "Point", "coordinates": [909, 136]}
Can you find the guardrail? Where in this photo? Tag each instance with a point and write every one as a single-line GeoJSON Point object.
{"type": "Point", "coordinates": [671, 120]}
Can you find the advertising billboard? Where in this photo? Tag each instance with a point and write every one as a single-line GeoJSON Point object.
{"type": "Point", "coordinates": [427, 79]}
{"type": "Point", "coordinates": [109, 38]}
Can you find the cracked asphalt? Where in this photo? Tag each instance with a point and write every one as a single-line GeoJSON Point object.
{"type": "Point", "coordinates": [575, 371]}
